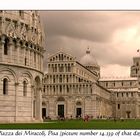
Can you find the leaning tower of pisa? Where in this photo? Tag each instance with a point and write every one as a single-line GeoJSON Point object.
{"type": "Point", "coordinates": [21, 66]}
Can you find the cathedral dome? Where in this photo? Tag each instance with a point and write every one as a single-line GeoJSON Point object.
{"type": "Point", "coordinates": [88, 59]}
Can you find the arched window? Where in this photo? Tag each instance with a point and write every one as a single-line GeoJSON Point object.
{"type": "Point", "coordinates": [54, 89]}
{"type": "Point", "coordinates": [24, 88]}
{"type": "Point", "coordinates": [44, 89]}
{"type": "Point", "coordinates": [6, 47]}
{"type": "Point", "coordinates": [5, 86]}
{"type": "Point", "coordinates": [118, 106]}
{"type": "Point", "coordinates": [136, 71]}
{"type": "Point", "coordinates": [60, 79]}
{"type": "Point", "coordinates": [25, 61]}
{"type": "Point", "coordinates": [60, 88]}
{"type": "Point", "coordinates": [67, 88]}
{"type": "Point", "coordinates": [34, 58]}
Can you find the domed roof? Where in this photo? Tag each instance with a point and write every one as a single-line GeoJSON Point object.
{"type": "Point", "coordinates": [88, 59]}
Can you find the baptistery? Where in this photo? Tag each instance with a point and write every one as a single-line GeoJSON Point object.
{"type": "Point", "coordinates": [21, 66]}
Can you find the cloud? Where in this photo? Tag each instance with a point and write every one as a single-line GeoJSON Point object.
{"type": "Point", "coordinates": [115, 70]}
{"type": "Point", "coordinates": [93, 26]}
{"type": "Point", "coordinates": [113, 36]}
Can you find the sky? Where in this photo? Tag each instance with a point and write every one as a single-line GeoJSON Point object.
{"type": "Point", "coordinates": [112, 36]}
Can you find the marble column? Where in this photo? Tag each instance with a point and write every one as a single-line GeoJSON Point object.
{"type": "Point", "coordinates": [16, 102]}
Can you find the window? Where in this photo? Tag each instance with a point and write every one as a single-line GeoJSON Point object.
{"type": "Point", "coordinates": [131, 94]}
{"type": "Point", "coordinates": [91, 90]}
{"type": "Point", "coordinates": [67, 88]}
{"type": "Point", "coordinates": [114, 84]}
{"type": "Point", "coordinates": [137, 63]}
{"type": "Point", "coordinates": [24, 88]}
{"type": "Point", "coordinates": [69, 68]}
{"type": "Point", "coordinates": [6, 47]}
{"type": "Point", "coordinates": [136, 71]}
{"type": "Point", "coordinates": [44, 89]}
{"type": "Point", "coordinates": [59, 57]}
{"type": "Point", "coordinates": [80, 89]}
{"type": "Point", "coordinates": [127, 94]}
{"type": "Point", "coordinates": [5, 86]}
{"type": "Point", "coordinates": [53, 80]}
{"type": "Point", "coordinates": [34, 58]}
{"type": "Point", "coordinates": [118, 106]}
{"type": "Point", "coordinates": [62, 57]}
{"type": "Point", "coordinates": [60, 79]}
{"type": "Point", "coordinates": [55, 69]}
{"type": "Point", "coordinates": [60, 88]}
{"type": "Point", "coordinates": [117, 94]}
{"type": "Point", "coordinates": [67, 78]}
{"type": "Point", "coordinates": [106, 84]}
{"type": "Point", "coordinates": [25, 61]}
{"type": "Point", "coordinates": [122, 83]}
{"type": "Point", "coordinates": [54, 89]}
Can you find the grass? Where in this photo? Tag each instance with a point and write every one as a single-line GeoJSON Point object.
{"type": "Point", "coordinates": [76, 124]}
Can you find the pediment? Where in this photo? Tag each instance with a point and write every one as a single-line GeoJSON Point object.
{"type": "Point", "coordinates": [61, 56]}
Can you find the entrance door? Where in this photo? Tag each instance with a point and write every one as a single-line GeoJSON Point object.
{"type": "Point", "coordinates": [61, 110]}
{"type": "Point", "coordinates": [78, 112]}
{"type": "Point", "coordinates": [43, 112]}
{"type": "Point", "coordinates": [128, 114]}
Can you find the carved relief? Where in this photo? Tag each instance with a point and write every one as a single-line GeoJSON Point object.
{"type": "Point", "coordinates": [24, 32]}
{"type": "Point", "coordinates": [10, 30]}
{"type": "Point", "coordinates": [33, 36]}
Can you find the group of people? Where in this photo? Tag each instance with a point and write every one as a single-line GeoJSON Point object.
{"type": "Point", "coordinates": [63, 118]}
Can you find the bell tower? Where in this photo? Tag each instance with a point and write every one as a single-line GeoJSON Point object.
{"type": "Point", "coordinates": [136, 65]}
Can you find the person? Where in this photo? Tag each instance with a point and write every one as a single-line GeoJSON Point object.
{"type": "Point", "coordinates": [86, 118]}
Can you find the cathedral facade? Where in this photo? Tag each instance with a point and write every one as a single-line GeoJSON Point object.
{"type": "Point", "coordinates": [21, 66]}
{"type": "Point", "coordinates": [72, 90]}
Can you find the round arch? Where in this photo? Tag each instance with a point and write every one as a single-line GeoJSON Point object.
{"type": "Point", "coordinates": [29, 74]}
{"type": "Point", "coordinates": [12, 72]}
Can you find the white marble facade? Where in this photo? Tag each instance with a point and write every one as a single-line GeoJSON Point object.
{"type": "Point", "coordinates": [71, 90]}
{"type": "Point", "coordinates": [21, 66]}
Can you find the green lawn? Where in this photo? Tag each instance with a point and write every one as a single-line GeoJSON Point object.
{"type": "Point", "coordinates": [76, 124]}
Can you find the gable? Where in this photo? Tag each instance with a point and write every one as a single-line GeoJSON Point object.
{"type": "Point", "coordinates": [60, 56]}
{"type": "Point", "coordinates": [10, 29]}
